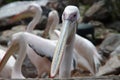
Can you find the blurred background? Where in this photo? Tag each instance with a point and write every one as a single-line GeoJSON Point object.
{"type": "Point", "coordinates": [99, 23]}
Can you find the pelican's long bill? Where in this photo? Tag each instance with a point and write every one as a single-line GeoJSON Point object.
{"type": "Point", "coordinates": [59, 51]}
{"type": "Point", "coordinates": [12, 48]}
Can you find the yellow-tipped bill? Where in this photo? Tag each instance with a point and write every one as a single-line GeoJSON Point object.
{"type": "Point", "coordinates": [59, 50]}
{"type": "Point", "coordinates": [13, 47]}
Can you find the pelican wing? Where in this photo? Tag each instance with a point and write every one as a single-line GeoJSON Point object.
{"type": "Point", "coordinates": [40, 45]}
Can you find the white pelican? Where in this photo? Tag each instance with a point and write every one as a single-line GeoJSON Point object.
{"type": "Point", "coordinates": [52, 23]}
{"type": "Point", "coordinates": [80, 43]}
{"type": "Point", "coordinates": [6, 72]}
{"type": "Point", "coordinates": [66, 43]}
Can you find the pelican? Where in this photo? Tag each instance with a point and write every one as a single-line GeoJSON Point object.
{"type": "Point", "coordinates": [6, 72]}
{"type": "Point", "coordinates": [79, 45]}
{"type": "Point", "coordinates": [64, 49]}
{"type": "Point", "coordinates": [53, 21]}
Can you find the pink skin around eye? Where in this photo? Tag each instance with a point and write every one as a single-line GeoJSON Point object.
{"type": "Point", "coordinates": [71, 17]}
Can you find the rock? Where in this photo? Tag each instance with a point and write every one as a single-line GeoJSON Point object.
{"type": "Point", "coordinates": [7, 34]}
{"type": "Point", "coordinates": [97, 12]}
{"type": "Point", "coordinates": [114, 25]}
{"type": "Point", "coordinates": [97, 24]}
{"type": "Point", "coordinates": [1, 2]}
{"type": "Point", "coordinates": [116, 52]}
{"type": "Point", "coordinates": [3, 48]}
{"type": "Point", "coordinates": [28, 69]}
{"type": "Point", "coordinates": [42, 24]}
{"type": "Point", "coordinates": [15, 29]}
{"type": "Point", "coordinates": [112, 66]}
{"type": "Point", "coordinates": [113, 7]}
{"type": "Point", "coordinates": [88, 2]}
{"type": "Point", "coordinates": [109, 45]}
{"type": "Point", "coordinates": [5, 25]}
{"type": "Point", "coordinates": [3, 40]}
{"type": "Point", "coordinates": [38, 32]}
{"type": "Point", "coordinates": [85, 29]}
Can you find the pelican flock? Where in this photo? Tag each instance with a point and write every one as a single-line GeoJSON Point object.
{"type": "Point", "coordinates": [61, 52]}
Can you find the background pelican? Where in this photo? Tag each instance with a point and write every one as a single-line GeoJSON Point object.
{"type": "Point", "coordinates": [52, 23]}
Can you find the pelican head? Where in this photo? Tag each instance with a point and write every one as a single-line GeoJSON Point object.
{"type": "Point", "coordinates": [34, 7]}
{"type": "Point", "coordinates": [54, 14]}
{"type": "Point", "coordinates": [70, 17]}
{"type": "Point", "coordinates": [71, 13]}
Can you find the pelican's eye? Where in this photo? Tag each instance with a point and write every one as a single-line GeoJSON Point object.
{"type": "Point", "coordinates": [73, 17]}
